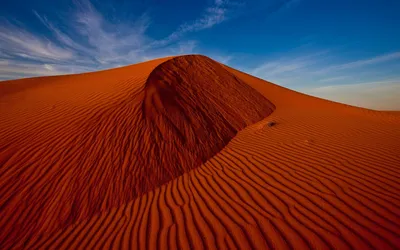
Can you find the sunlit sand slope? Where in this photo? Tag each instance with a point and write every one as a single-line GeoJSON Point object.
{"type": "Point", "coordinates": [78, 145]}
{"type": "Point", "coordinates": [325, 176]}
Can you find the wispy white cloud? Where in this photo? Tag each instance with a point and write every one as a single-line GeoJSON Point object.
{"type": "Point", "coordinates": [362, 62]}
{"type": "Point", "coordinates": [186, 47]}
{"type": "Point", "coordinates": [88, 40]}
{"type": "Point", "coordinates": [100, 44]}
{"type": "Point", "coordinates": [286, 66]}
{"type": "Point", "coordinates": [379, 95]}
{"type": "Point", "coordinates": [275, 68]}
{"type": "Point", "coordinates": [316, 75]}
{"type": "Point", "coordinates": [315, 67]}
{"type": "Point", "coordinates": [213, 15]}
{"type": "Point", "coordinates": [10, 69]}
{"type": "Point", "coordinates": [21, 43]}
{"type": "Point", "coordinates": [330, 88]}
{"type": "Point", "coordinates": [63, 38]}
{"type": "Point", "coordinates": [224, 59]}
{"type": "Point", "coordinates": [109, 39]}
{"type": "Point", "coordinates": [333, 79]}
{"type": "Point", "coordinates": [180, 48]}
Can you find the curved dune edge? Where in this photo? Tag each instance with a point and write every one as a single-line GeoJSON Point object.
{"type": "Point", "coordinates": [192, 107]}
{"type": "Point", "coordinates": [185, 112]}
{"type": "Point", "coordinates": [326, 176]}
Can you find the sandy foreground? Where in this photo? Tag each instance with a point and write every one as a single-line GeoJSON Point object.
{"type": "Point", "coordinates": [186, 153]}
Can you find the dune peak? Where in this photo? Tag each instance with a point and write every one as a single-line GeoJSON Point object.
{"type": "Point", "coordinates": [192, 107]}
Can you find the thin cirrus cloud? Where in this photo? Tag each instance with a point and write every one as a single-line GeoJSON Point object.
{"type": "Point", "coordinates": [9, 69]}
{"type": "Point", "coordinates": [350, 82]}
{"type": "Point", "coordinates": [16, 42]}
{"type": "Point", "coordinates": [92, 42]}
{"type": "Point", "coordinates": [334, 79]}
{"type": "Point", "coordinates": [287, 69]}
{"type": "Point", "coordinates": [213, 15]}
{"type": "Point", "coordinates": [277, 66]}
{"type": "Point", "coordinates": [363, 62]}
{"type": "Point", "coordinates": [315, 66]}
{"type": "Point", "coordinates": [380, 95]}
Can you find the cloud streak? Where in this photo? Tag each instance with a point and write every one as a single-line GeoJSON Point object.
{"type": "Point", "coordinates": [212, 16]}
{"type": "Point", "coordinates": [92, 42]}
{"type": "Point", "coordinates": [379, 95]}
{"type": "Point", "coordinates": [312, 74]}
{"type": "Point", "coordinates": [284, 68]}
{"type": "Point", "coordinates": [17, 42]}
{"type": "Point", "coordinates": [361, 63]}
{"type": "Point", "coordinates": [314, 66]}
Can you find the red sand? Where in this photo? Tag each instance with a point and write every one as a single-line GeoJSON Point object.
{"type": "Point", "coordinates": [177, 153]}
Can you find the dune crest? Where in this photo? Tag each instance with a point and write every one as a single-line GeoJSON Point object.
{"type": "Point", "coordinates": [192, 108]}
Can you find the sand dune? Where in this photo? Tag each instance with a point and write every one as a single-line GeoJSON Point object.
{"type": "Point", "coordinates": [176, 153]}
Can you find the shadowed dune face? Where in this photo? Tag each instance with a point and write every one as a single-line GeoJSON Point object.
{"type": "Point", "coordinates": [73, 146]}
{"type": "Point", "coordinates": [192, 108]}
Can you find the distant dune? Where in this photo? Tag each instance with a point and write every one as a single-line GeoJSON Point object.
{"type": "Point", "coordinates": [187, 153]}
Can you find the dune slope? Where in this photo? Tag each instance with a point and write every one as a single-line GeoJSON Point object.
{"type": "Point", "coordinates": [144, 134]}
{"type": "Point", "coordinates": [177, 153]}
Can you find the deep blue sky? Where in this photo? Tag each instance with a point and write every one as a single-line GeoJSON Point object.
{"type": "Point", "coordinates": [348, 51]}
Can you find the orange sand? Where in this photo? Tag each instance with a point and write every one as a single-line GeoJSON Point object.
{"type": "Point", "coordinates": [176, 153]}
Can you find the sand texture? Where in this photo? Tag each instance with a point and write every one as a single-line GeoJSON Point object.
{"type": "Point", "coordinates": [187, 153]}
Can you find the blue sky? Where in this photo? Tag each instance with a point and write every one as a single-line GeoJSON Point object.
{"type": "Point", "coordinates": [346, 51]}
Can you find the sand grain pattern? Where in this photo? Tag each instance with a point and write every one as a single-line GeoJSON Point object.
{"type": "Point", "coordinates": [176, 153]}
